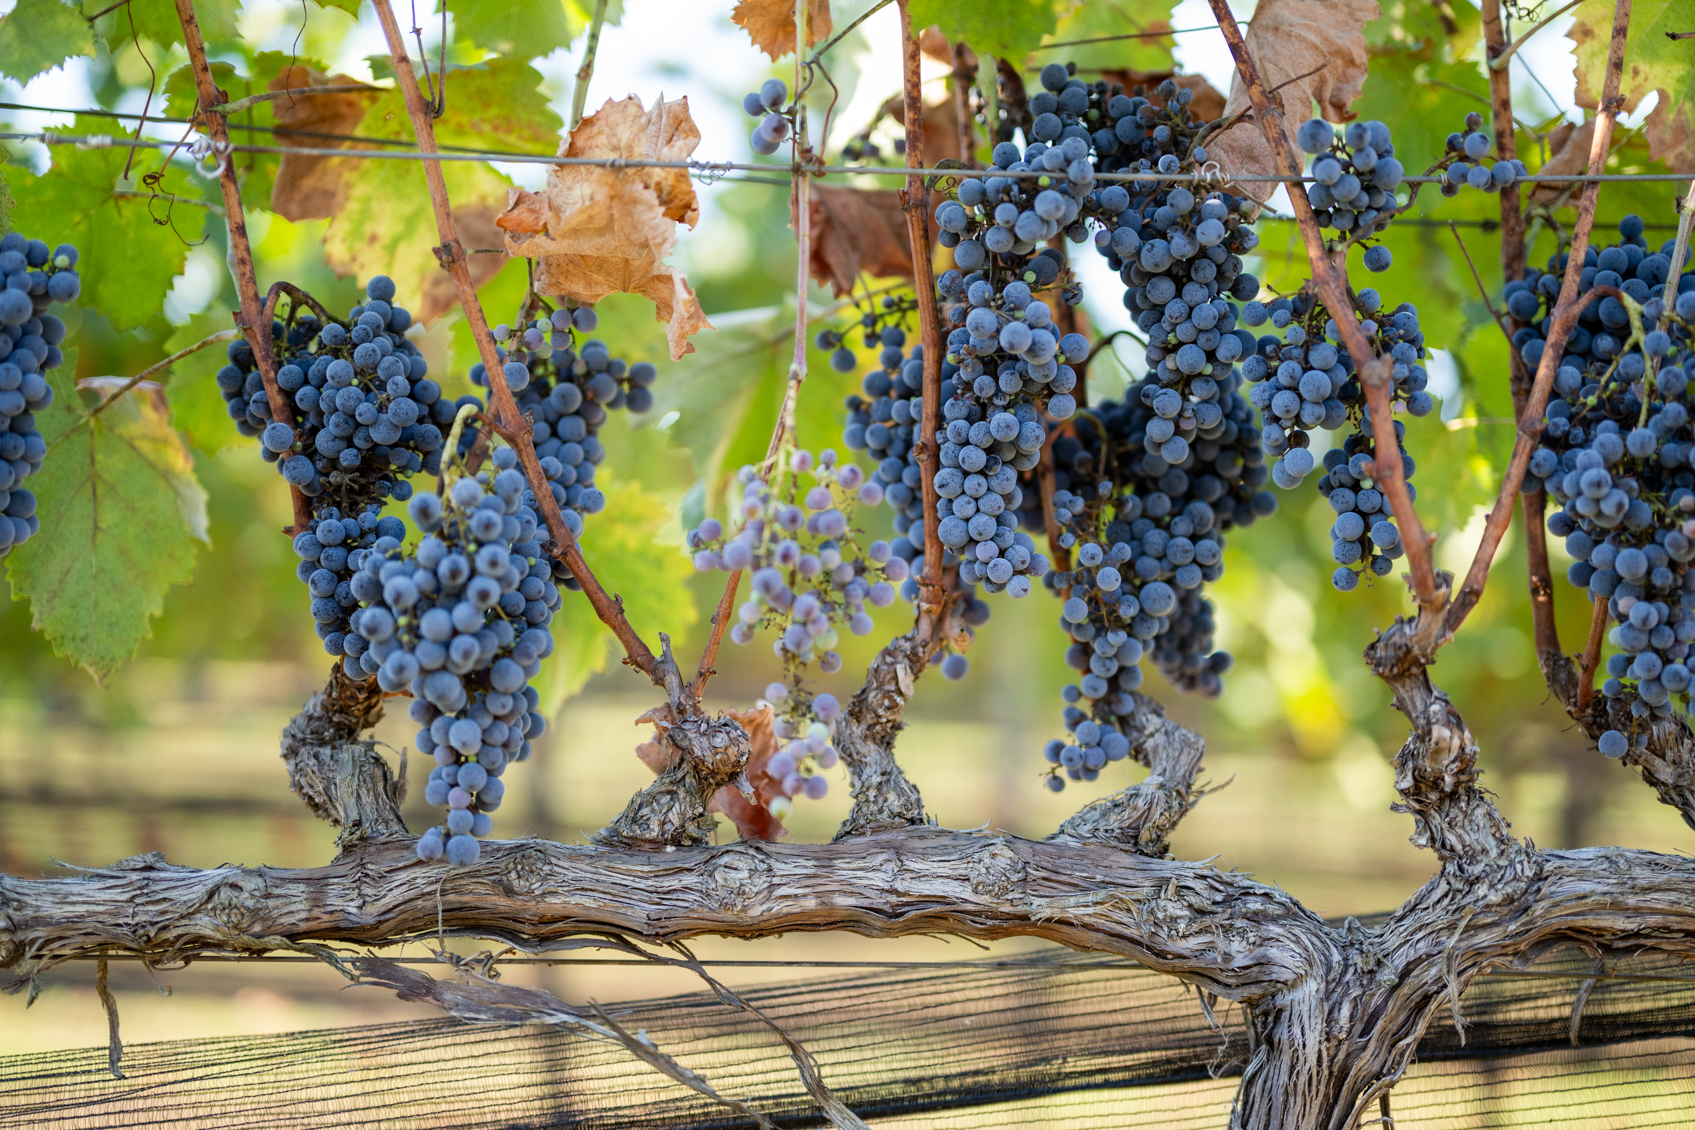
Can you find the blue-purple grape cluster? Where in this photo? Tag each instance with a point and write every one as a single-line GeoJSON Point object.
{"type": "Point", "coordinates": [766, 104]}
{"type": "Point", "coordinates": [1465, 160]}
{"type": "Point", "coordinates": [1357, 176]}
{"type": "Point", "coordinates": [462, 623]}
{"type": "Point", "coordinates": [808, 579]}
{"type": "Point", "coordinates": [1616, 456]}
{"type": "Point", "coordinates": [35, 277]}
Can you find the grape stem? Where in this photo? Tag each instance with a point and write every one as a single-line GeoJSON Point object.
{"type": "Point", "coordinates": [1483, 293]}
{"type": "Point", "coordinates": [1331, 284]}
{"type": "Point", "coordinates": [1565, 315]}
{"type": "Point", "coordinates": [580, 93]}
{"type": "Point", "coordinates": [1592, 655]}
{"type": "Point", "coordinates": [257, 328]}
{"type": "Point", "coordinates": [508, 423]}
{"type": "Point", "coordinates": [159, 367]}
{"type": "Point", "coordinates": [915, 201]}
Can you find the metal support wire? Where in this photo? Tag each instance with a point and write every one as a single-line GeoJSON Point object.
{"type": "Point", "coordinates": [1211, 177]}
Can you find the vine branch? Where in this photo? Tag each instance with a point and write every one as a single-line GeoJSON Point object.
{"type": "Point", "coordinates": [580, 92]}
{"type": "Point", "coordinates": [158, 367]}
{"type": "Point", "coordinates": [508, 423]}
{"type": "Point", "coordinates": [1331, 284]}
{"type": "Point", "coordinates": [258, 331]}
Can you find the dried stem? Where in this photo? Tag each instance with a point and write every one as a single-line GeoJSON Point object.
{"type": "Point", "coordinates": [230, 109]}
{"type": "Point", "coordinates": [916, 201]}
{"type": "Point", "coordinates": [257, 329]}
{"type": "Point", "coordinates": [114, 1043]}
{"type": "Point", "coordinates": [720, 621]}
{"type": "Point", "coordinates": [1331, 284]}
{"type": "Point", "coordinates": [580, 92]}
{"type": "Point", "coordinates": [1482, 291]}
{"type": "Point", "coordinates": [1565, 316]}
{"type": "Point", "coordinates": [508, 423]}
{"type": "Point", "coordinates": [159, 367]}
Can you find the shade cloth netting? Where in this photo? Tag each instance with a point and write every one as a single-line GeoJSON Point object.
{"type": "Point", "coordinates": [1057, 1040]}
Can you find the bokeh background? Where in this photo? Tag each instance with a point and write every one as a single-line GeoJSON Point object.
{"type": "Point", "coordinates": [177, 752]}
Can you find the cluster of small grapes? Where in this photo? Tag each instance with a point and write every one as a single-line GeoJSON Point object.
{"type": "Point", "coordinates": [809, 577]}
{"type": "Point", "coordinates": [766, 104]}
{"type": "Point", "coordinates": [884, 326]}
{"type": "Point", "coordinates": [30, 337]}
{"type": "Point", "coordinates": [365, 415]}
{"type": "Point", "coordinates": [1357, 177]}
{"type": "Point", "coordinates": [1616, 454]}
{"type": "Point", "coordinates": [461, 622]}
{"type": "Point", "coordinates": [331, 553]}
{"type": "Point", "coordinates": [567, 386]}
{"type": "Point", "coordinates": [1473, 145]}
{"type": "Point", "coordinates": [1128, 132]}
{"type": "Point", "coordinates": [1148, 535]}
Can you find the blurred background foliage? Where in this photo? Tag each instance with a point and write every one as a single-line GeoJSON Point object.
{"type": "Point", "coordinates": [1298, 697]}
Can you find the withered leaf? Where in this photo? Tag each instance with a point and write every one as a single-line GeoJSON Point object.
{"type": "Point", "coordinates": [595, 231]}
{"type": "Point", "coordinates": [1306, 50]}
{"type": "Point", "coordinates": [1568, 147]}
{"type": "Point", "coordinates": [313, 188]}
{"type": "Point", "coordinates": [856, 230]}
{"type": "Point", "coordinates": [771, 24]}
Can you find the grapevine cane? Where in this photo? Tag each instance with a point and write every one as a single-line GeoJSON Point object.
{"type": "Point", "coordinates": [508, 423]}
{"type": "Point", "coordinates": [1332, 287]}
{"type": "Point", "coordinates": [257, 329]}
{"type": "Point", "coordinates": [917, 205]}
{"type": "Point", "coordinates": [1564, 318]}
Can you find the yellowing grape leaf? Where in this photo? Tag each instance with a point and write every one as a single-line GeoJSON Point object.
{"type": "Point", "coordinates": [383, 222]}
{"type": "Point", "coordinates": [1317, 48]}
{"type": "Point", "coordinates": [129, 257]}
{"type": "Point", "coordinates": [1652, 61]}
{"type": "Point", "coordinates": [618, 544]}
{"type": "Point", "coordinates": [39, 35]}
{"type": "Point", "coordinates": [595, 231]}
{"type": "Point", "coordinates": [120, 511]}
{"type": "Point", "coordinates": [771, 24]}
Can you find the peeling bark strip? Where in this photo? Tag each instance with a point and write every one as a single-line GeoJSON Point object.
{"type": "Point", "coordinates": [342, 779]}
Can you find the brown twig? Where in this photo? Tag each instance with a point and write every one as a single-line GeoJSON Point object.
{"type": "Point", "coordinates": [1592, 654]}
{"type": "Point", "coordinates": [720, 620]}
{"type": "Point", "coordinates": [1565, 316]}
{"type": "Point", "coordinates": [159, 367]}
{"type": "Point", "coordinates": [300, 297]}
{"type": "Point", "coordinates": [508, 423]}
{"type": "Point", "coordinates": [257, 329]}
{"type": "Point", "coordinates": [1331, 284]}
{"type": "Point", "coordinates": [1482, 291]}
{"type": "Point", "coordinates": [916, 201]}
{"type": "Point", "coordinates": [962, 105]}
{"type": "Point", "coordinates": [114, 1044]}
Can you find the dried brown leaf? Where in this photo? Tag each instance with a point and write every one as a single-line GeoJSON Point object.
{"type": "Point", "coordinates": [312, 188]}
{"type": "Point", "coordinates": [857, 230]}
{"type": "Point", "coordinates": [1207, 104]}
{"type": "Point", "coordinates": [771, 24]}
{"type": "Point", "coordinates": [596, 231]}
{"type": "Point", "coordinates": [1290, 38]}
{"type": "Point", "coordinates": [1569, 148]}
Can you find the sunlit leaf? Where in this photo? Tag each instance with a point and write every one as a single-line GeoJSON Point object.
{"type": "Point", "coordinates": [157, 21]}
{"type": "Point", "coordinates": [530, 27]}
{"type": "Point", "coordinates": [619, 546]}
{"type": "Point", "coordinates": [1002, 30]}
{"type": "Point", "coordinates": [1653, 61]}
{"type": "Point", "coordinates": [129, 256]}
{"type": "Point", "coordinates": [120, 511]}
{"type": "Point", "coordinates": [39, 35]}
{"type": "Point", "coordinates": [197, 407]}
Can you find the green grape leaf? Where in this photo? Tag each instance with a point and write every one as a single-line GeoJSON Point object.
{"type": "Point", "coordinates": [39, 35]}
{"type": "Point", "coordinates": [120, 509]}
{"type": "Point", "coordinates": [1115, 17]}
{"type": "Point", "coordinates": [619, 545]}
{"type": "Point", "coordinates": [384, 223]}
{"type": "Point", "coordinates": [534, 27]}
{"type": "Point", "coordinates": [128, 257]}
{"type": "Point", "coordinates": [156, 20]}
{"type": "Point", "coordinates": [182, 96]}
{"type": "Point", "coordinates": [6, 205]}
{"type": "Point", "coordinates": [197, 407]}
{"type": "Point", "coordinates": [1006, 30]}
{"type": "Point", "coordinates": [351, 7]}
{"type": "Point", "coordinates": [1651, 62]}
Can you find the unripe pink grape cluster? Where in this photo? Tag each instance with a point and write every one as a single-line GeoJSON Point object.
{"type": "Point", "coordinates": [808, 578]}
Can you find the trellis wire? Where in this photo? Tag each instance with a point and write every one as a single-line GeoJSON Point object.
{"type": "Point", "coordinates": [712, 169]}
